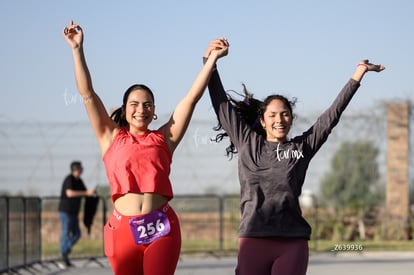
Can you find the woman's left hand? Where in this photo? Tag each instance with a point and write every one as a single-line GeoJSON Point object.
{"type": "Point", "coordinates": [218, 47]}
{"type": "Point", "coordinates": [371, 67]}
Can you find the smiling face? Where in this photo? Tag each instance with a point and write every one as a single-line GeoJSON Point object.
{"type": "Point", "coordinates": [139, 111]}
{"type": "Point", "coordinates": [277, 121]}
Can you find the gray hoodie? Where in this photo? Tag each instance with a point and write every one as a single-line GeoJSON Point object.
{"type": "Point", "coordinates": [271, 174]}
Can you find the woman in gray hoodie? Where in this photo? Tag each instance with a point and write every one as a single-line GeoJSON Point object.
{"type": "Point", "coordinates": [273, 235]}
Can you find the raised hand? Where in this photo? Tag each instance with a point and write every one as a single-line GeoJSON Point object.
{"type": "Point", "coordinates": [218, 47]}
{"type": "Point", "coordinates": [73, 35]}
{"type": "Point", "coordinates": [365, 66]}
{"type": "Point", "coordinates": [371, 67]}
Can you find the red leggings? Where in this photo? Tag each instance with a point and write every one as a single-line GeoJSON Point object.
{"type": "Point", "coordinates": [272, 256]}
{"type": "Point", "coordinates": [126, 257]}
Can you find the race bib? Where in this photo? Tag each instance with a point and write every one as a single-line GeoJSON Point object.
{"type": "Point", "coordinates": [150, 227]}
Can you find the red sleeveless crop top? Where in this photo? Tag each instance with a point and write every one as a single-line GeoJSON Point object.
{"type": "Point", "coordinates": [138, 164]}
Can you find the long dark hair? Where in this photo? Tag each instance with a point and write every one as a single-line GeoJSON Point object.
{"type": "Point", "coordinates": [119, 114]}
{"type": "Point", "coordinates": [251, 110]}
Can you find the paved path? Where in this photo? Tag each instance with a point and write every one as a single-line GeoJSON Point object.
{"type": "Point", "coordinates": [378, 263]}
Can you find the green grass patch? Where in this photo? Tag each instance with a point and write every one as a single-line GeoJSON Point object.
{"type": "Point", "coordinates": [84, 248]}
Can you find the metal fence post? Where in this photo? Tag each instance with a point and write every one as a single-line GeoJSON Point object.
{"type": "Point", "coordinates": [24, 232]}
{"type": "Point", "coordinates": [5, 263]}
{"type": "Point", "coordinates": [104, 210]}
{"type": "Point", "coordinates": [221, 210]}
{"type": "Point", "coordinates": [8, 233]}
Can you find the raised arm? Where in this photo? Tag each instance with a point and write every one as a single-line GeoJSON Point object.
{"type": "Point", "coordinates": [228, 117]}
{"type": "Point", "coordinates": [320, 130]}
{"type": "Point", "coordinates": [175, 128]}
{"type": "Point", "coordinates": [103, 126]}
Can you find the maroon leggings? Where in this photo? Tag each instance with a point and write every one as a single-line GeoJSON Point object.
{"type": "Point", "coordinates": [126, 257]}
{"type": "Point", "coordinates": [272, 256]}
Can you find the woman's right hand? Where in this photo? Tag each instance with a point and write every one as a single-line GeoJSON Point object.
{"type": "Point", "coordinates": [73, 35]}
{"type": "Point", "coordinates": [218, 48]}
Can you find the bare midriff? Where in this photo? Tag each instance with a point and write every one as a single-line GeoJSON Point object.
{"type": "Point", "coordinates": [132, 204]}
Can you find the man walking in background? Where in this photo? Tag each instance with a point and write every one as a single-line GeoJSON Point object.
{"type": "Point", "coordinates": [73, 189]}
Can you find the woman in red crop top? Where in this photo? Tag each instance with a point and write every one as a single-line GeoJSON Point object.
{"type": "Point", "coordinates": [143, 235]}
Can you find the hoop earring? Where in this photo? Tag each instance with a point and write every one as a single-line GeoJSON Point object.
{"type": "Point", "coordinates": [155, 117]}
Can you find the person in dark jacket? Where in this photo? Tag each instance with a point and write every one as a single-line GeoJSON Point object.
{"type": "Point", "coordinates": [73, 189]}
{"type": "Point", "coordinates": [273, 235]}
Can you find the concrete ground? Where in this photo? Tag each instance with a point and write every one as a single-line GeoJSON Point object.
{"type": "Point", "coordinates": [378, 263]}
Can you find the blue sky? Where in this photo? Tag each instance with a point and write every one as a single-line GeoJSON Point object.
{"type": "Point", "coordinates": [303, 49]}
